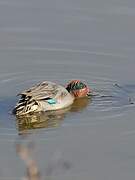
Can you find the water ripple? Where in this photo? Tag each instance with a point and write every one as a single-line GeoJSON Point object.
{"type": "Point", "coordinates": [109, 101]}
{"type": "Point", "coordinates": [97, 53]}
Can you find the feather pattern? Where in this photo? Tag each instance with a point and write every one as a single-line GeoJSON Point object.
{"type": "Point", "coordinates": [41, 91]}
{"type": "Point", "coordinates": [40, 97]}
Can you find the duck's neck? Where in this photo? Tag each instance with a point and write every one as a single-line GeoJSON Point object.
{"type": "Point", "coordinates": [70, 92]}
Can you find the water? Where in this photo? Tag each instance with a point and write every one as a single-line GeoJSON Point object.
{"type": "Point", "coordinates": [58, 41]}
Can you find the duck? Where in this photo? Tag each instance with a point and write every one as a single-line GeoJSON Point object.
{"type": "Point", "coordinates": [50, 96]}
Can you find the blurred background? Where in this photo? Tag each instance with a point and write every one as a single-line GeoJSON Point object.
{"type": "Point", "coordinates": [91, 40]}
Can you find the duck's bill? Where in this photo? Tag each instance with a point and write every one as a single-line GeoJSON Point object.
{"type": "Point", "coordinates": [89, 94]}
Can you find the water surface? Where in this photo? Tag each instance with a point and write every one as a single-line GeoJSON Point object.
{"type": "Point", "coordinates": [58, 41]}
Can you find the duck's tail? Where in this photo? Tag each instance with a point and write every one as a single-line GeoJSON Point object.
{"type": "Point", "coordinates": [25, 105]}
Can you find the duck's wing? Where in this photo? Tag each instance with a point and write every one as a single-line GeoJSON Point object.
{"type": "Point", "coordinates": [29, 101]}
{"type": "Point", "coordinates": [41, 91]}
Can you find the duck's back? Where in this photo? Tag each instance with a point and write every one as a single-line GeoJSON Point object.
{"type": "Point", "coordinates": [43, 97]}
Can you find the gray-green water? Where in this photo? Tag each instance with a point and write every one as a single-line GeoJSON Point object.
{"type": "Point", "coordinates": [58, 41]}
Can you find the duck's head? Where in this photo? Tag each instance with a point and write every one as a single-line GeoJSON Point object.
{"type": "Point", "coordinates": [78, 89]}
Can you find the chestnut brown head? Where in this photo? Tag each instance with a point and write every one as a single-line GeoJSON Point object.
{"type": "Point", "coordinates": [78, 89]}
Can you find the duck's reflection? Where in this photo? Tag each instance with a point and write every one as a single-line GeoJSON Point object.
{"type": "Point", "coordinates": [25, 147]}
{"type": "Point", "coordinates": [25, 151]}
{"type": "Point", "coordinates": [49, 119]}
{"type": "Point", "coordinates": [80, 104]}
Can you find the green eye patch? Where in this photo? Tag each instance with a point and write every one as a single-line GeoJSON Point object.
{"type": "Point", "coordinates": [75, 86]}
{"type": "Point", "coordinates": [79, 85]}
